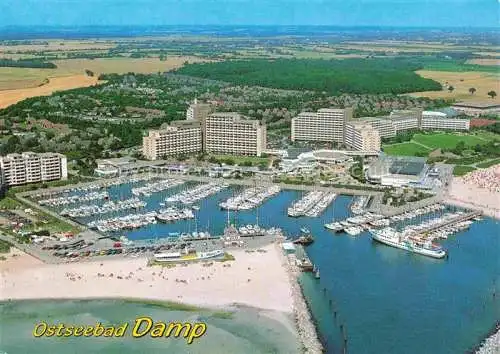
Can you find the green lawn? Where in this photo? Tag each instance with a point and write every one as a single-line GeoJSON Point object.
{"type": "Point", "coordinates": [446, 141]}
{"type": "Point", "coordinates": [406, 149]}
{"type": "Point", "coordinates": [461, 170]}
{"type": "Point", "coordinates": [488, 163]}
{"type": "Point", "coordinates": [9, 203]}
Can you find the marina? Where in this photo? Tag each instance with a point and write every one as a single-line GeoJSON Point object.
{"type": "Point", "coordinates": [337, 257]}
{"type": "Point", "coordinates": [108, 207]}
{"type": "Point", "coordinates": [250, 198]}
{"type": "Point", "coordinates": [72, 199]}
{"type": "Point", "coordinates": [358, 204]}
{"type": "Point", "coordinates": [156, 186]}
{"type": "Point", "coordinates": [312, 204]}
{"type": "Point", "coordinates": [197, 193]}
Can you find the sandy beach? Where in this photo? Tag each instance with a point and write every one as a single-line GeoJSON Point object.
{"type": "Point", "coordinates": [255, 279]}
{"type": "Point", "coordinates": [477, 190]}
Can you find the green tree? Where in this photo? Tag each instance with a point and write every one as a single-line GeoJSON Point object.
{"type": "Point", "coordinates": [492, 94]}
{"type": "Point", "coordinates": [472, 90]}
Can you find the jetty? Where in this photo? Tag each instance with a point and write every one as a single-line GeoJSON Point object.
{"type": "Point", "coordinates": [312, 204]}
{"type": "Point", "coordinates": [157, 186]}
{"type": "Point", "coordinates": [250, 198]}
{"type": "Point", "coordinates": [197, 193]}
{"type": "Point", "coordinates": [445, 222]}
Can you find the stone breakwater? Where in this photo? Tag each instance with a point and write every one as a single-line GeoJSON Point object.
{"type": "Point", "coordinates": [491, 345]}
{"type": "Point", "coordinates": [303, 320]}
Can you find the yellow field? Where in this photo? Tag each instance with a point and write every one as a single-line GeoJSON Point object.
{"type": "Point", "coordinates": [481, 81]}
{"type": "Point", "coordinates": [484, 61]}
{"type": "Point", "coordinates": [8, 97]}
{"type": "Point", "coordinates": [17, 84]}
{"type": "Point", "coordinates": [122, 65]}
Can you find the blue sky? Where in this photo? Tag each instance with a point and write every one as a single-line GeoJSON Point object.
{"type": "Point", "coordinates": [428, 13]}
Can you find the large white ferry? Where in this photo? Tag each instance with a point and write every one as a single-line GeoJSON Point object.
{"type": "Point", "coordinates": [393, 238]}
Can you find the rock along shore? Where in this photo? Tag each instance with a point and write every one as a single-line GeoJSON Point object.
{"type": "Point", "coordinates": [491, 345]}
{"type": "Point", "coordinates": [304, 323]}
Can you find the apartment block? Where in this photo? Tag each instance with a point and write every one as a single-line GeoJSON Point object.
{"type": "Point", "coordinates": [29, 167]}
{"type": "Point", "coordinates": [362, 136]}
{"type": "Point", "coordinates": [198, 111]}
{"type": "Point", "coordinates": [327, 124]}
{"type": "Point", "coordinates": [180, 138]}
{"type": "Point", "coordinates": [440, 121]}
{"type": "Point", "coordinates": [403, 120]}
{"type": "Point", "coordinates": [232, 134]}
{"type": "Point", "coordinates": [383, 125]}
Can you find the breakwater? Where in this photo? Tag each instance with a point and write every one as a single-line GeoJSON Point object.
{"type": "Point", "coordinates": [304, 323]}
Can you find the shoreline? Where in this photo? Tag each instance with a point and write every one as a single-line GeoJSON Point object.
{"type": "Point", "coordinates": [304, 323]}
{"type": "Point", "coordinates": [490, 344]}
{"type": "Point", "coordinates": [244, 283]}
{"type": "Point", "coordinates": [466, 194]}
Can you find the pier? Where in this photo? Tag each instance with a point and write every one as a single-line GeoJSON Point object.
{"type": "Point", "coordinates": [450, 222]}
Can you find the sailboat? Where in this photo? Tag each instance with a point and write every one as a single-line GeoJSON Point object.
{"type": "Point", "coordinates": [305, 230]}
{"type": "Point", "coordinates": [316, 274]}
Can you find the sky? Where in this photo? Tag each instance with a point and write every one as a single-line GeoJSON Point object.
{"type": "Point", "coordinates": [406, 13]}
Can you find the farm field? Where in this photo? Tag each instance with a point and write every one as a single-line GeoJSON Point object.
{"type": "Point", "coordinates": [484, 61]}
{"type": "Point", "coordinates": [17, 84]}
{"type": "Point", "coordinates": [8, 97]}
{"type": "Point", "coordinates": [483, 82]}
{"type": "Point", "coordinates": [57, 45]}
{"type": "Point", "coordinates": [122, 65]}
{"type": "Point", "coordinates": [14, 78]}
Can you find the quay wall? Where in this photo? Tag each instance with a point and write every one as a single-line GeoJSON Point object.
{"type": "Point", "coordinates": [243, 182]}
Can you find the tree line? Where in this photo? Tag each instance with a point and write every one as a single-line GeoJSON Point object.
{"type": "Point", "coordinates": [26, 63]}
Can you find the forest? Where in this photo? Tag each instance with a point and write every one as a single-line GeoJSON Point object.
{"type": "Point", "coordinates": [354, 76]}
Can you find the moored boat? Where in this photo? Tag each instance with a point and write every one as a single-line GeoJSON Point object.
{"type": "Point", "coordinates": [393, 238]}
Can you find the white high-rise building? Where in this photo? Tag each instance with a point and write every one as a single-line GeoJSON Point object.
{"type": "Point", "coordinates": [327, 124]}
{"type": "Point", "coordinates": [29, 167]}
{"type": "Point", "coordinates": [180, 138]}
{"type": "Point", "coordinates": [440, 121]}
{"type": "Point", "coordinates": [232, 134]}
{"type": "Point", "coordinates": [362, 136]}
{"type": "Point", "coordinates": [383, 125]}
{"type": "Point", "coordinates": [198, 111]}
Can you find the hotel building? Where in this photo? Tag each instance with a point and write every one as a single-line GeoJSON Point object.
{"type": "Point", "coordinates": [439, 121]}
{"type": "Point", "coordinates": [198, 111]}
{"type": "Point", "coordinates": [362, 136]}
{"type": "Point", "coordinates": [180, 138]}
{"type": "Point", "coordinates": [383, 125]}
{"type": "Point", "coordinates": [327, 124]}
{"type": "Point", "coordinates": [230, 133]}
{"type": "Point", "coordinates": [29, 167]}
{"type": "Point", "coordinates": [406, 120]}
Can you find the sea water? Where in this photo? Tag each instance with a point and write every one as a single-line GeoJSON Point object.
{"type": "Point", "coordinates": [245, 330]}
{"type": "Point", "coordinates": [372, 298]}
